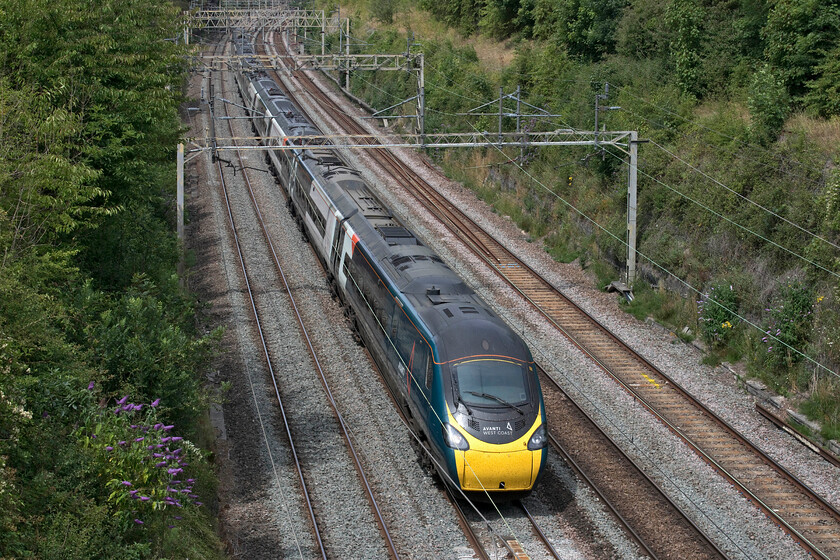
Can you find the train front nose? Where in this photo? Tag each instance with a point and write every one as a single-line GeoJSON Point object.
{"type": "Point", "coordinates": [500, 471]}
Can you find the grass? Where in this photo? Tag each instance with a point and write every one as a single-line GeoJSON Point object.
{"type": "Point", "coordinates": [666, 308]}
{"type": "Point", "coordinates": [824, 133]}
{"type": "Point", "coordinates": [823, 405]}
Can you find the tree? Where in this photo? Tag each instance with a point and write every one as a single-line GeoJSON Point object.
{"type": "Point", "coordinates": [769, 105]}
{"type": "Point", "coordinates": [686, 19]}
{"type": "Point", "coordinates": [799, 35]}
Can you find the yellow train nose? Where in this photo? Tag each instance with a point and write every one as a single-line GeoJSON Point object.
{"type": "Point", "coordinates": [513, 470]}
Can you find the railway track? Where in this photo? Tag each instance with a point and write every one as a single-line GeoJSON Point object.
{"type": "Point", "coordinates": [809, 519]}
{"type": "Point", "coordinates": [634, 498]}
{"type": "Point", "coordinates": [368, 492]}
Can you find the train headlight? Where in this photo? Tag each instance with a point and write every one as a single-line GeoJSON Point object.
{"type": "Point", "coordinates": [454, 439]}
{"type": "Point", "coordinates": [539, 439]}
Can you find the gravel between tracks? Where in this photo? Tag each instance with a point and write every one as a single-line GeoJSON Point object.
{"type": "Point", "coordinates": [738, 527]}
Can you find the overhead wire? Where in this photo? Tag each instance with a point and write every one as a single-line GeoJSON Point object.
{"type": "Point", "coordinates": [626, 89]}
{"type": "Point", "coordinates": [733, 312]}
{"type": "Point", "coordinates": [739, 195]}
{"type": "Point", "coordinates": [689, 286]}
{"type": "Point", "coordinates": [732, 153]}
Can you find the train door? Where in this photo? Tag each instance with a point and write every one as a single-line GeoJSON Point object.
{"type": "Point", "coordinates": [345, 255]}
{"type": "Point", "coordinates": [293, 178]}
{"type": "Point", "coordinates": [330, 232]}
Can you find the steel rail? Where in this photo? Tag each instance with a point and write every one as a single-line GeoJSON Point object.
{"type": "Point", "coordinates": [383, 526]}
{"type": "Point", "coordinates": [267, 354]}
{"type": "Point", "coordinates": [538, 531]}
{"type": "Point", "coordinates": [658, 492]}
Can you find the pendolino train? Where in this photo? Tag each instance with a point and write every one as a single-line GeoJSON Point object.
{"type": "Point", "coordinates": [464, 379]}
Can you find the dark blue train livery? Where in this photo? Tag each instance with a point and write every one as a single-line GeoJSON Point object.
{"type": "Point", "coordinates": [466, 382]}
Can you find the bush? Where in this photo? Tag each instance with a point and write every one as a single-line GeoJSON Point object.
{"type": "Point", "coordinates": [143, 466]}
{"type": "Point", "coordinates": [769, 105]}
{"type": "Point", "coordinates": [718, 314]}
{"type": "Point", "coordinates": [788, 331]}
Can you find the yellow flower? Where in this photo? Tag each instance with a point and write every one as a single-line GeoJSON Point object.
{"type": "Point", "coordinates": [819, 299]}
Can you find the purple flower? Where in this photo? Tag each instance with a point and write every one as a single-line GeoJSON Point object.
{"type": "Point", "coordinates": [174, 482]}
{"type": "Point", "coordinates": [139, 439]}
{"type": "Point", "coordinates": [167, 428]}
{"type": "Point", "coordinates": [175, 438]}
{"type": "Point", "coordinates": [199, 504]}
{"type": "Point", "coordinates": [161, 464]}
{"type": "Point", "coordinates": [127, 407]}
{"type": "Point", "coordinates": [45, 414]}
{"type": "Point", "coordinates": [165, 439]}
{"type": "Point", "coordinates": [178, 517]}
{"type": "Point", "coordinates": [138, 522]}
{"type": "Point", "coordinates": [122, 400]}
{"type": "Point", "coordinates": [144, 498]}
{"type": "Point", "coordinates": [174, 471]}
{"type": "Point", "coordinates": [90, 386]}
{"type": "Point", "coordinates": [109, 448]}
{"type": "Point", "coordinates": [150, 447]}
{"type": "Point", "coordinates": [117, 411]}
{"type": "Point", "coordinates": [137, 406]}
{"type": "Point", "coordinates": [172, 526]}
{"type": "Point", "coordinates": [190, 480]}
{"type": "Point", "coordinates": [133, 492]}
{"type": "Point", "coordinates": [155, 403]}
{"type": "Point", "coordinates": [158, 426]}
{"type": "Point", "coordinates": [125, 483]}
{"type": "Point", "coordinates": [122, 443]}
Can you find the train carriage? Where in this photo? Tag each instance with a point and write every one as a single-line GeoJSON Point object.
{"type": "Point", "coordinates": [466, 381]}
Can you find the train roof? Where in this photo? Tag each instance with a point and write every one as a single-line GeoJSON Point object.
{"type": "Point", "coordinates": [448, 306]}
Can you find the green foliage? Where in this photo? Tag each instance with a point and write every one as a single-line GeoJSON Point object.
{"type": "Point", "coordinates": [463, 15]}
{"type": "Point", "coordinates": [788, 331]}
{"type": "Point", "coordinates": [769, 105]}
{"type": "Point", "coordinates": [41, 177]}
{"type": "Point", "coordinates": [798, 36]}
{"type": "Point", "coordinates": [686, 18]}
{"type": "Point", "coordinates": [823, 97]}
{"type": "Point", "coordinates": [88, 123]}
{"type": "Point", "coordinates": [587, 27]}
{"type": "Point", "coordinates": [383, 10]}
{"type": "Point", "coordinates": [823, 405]}
{"type": "Point", "coordinates": [143, 345]}
{"type": "Point", "coordinates": [499, 17]}
{"type": "Point", "coordinates": [718, 310]}
{"type": "Point", "coordinates": [643, 32]}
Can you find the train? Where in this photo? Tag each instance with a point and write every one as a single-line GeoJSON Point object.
{"type": "Point", "coordinates": [465, 381]}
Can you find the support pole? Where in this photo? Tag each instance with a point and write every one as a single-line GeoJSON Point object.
{"type": "Point", "coordinates": [422, 84]}
{"type": "Point", "coordinates": [519, 123]}
{"type": "Point", "coordinates": [323, 32]}
{"type": "Point", "coordinates": [501, 100]}
{"type": "Point", "coordinates": [347, 51]}
{"type": "Point", "coordinates": [179, 212]}
{"type": "Point", "coordinates": [631, 207]}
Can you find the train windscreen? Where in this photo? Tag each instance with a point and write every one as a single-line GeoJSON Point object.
{"type": "Point", "coordinates": [491, 382]}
